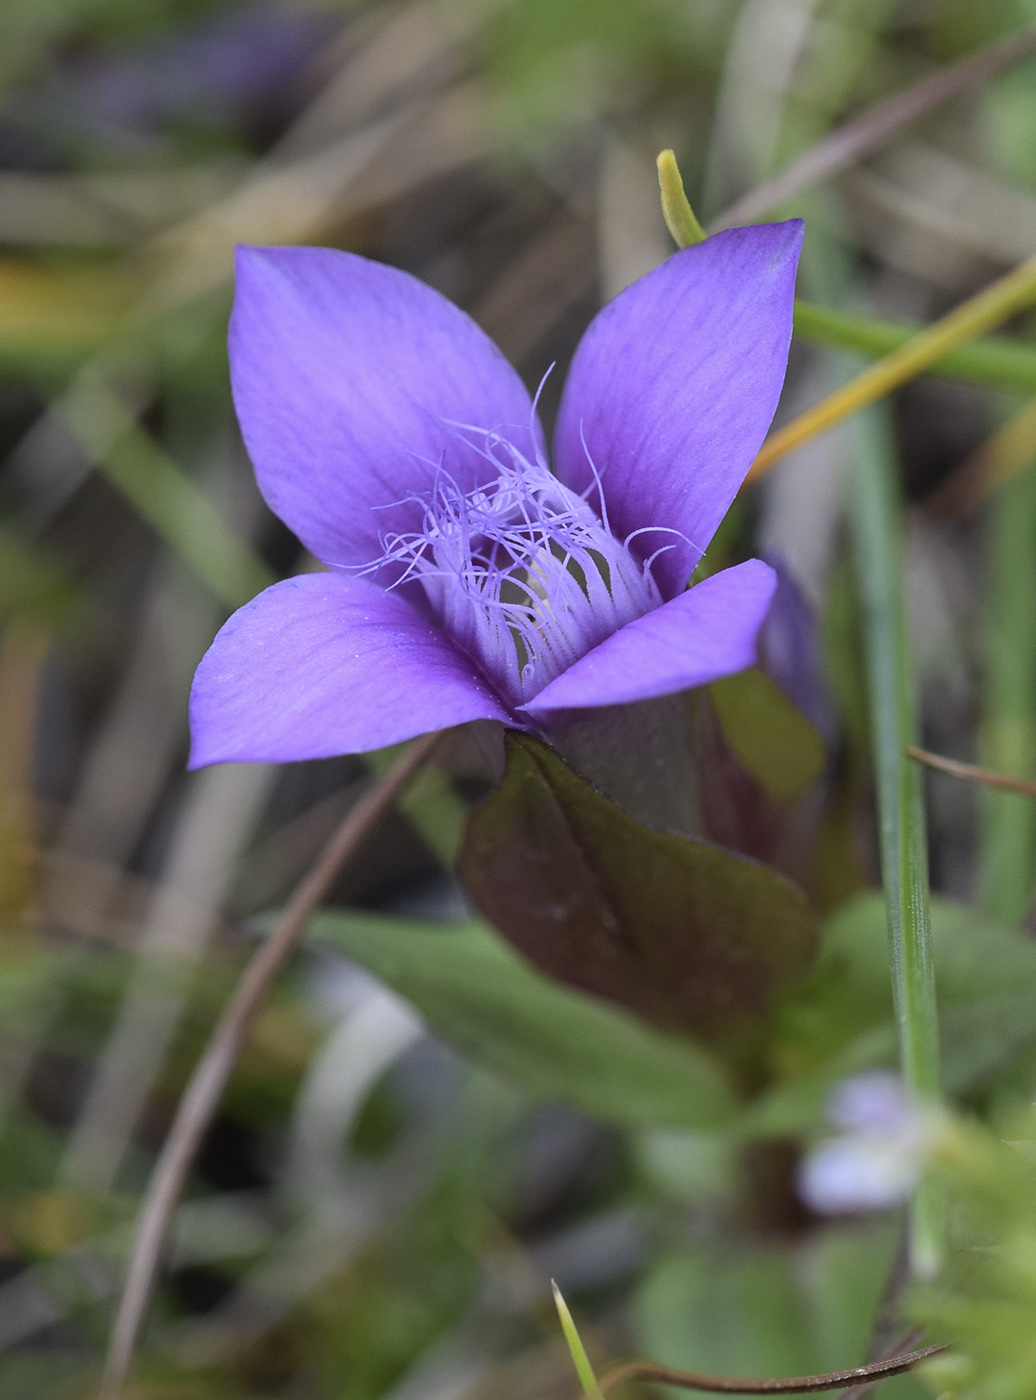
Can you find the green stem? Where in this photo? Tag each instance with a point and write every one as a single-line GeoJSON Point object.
{"type": "Point", "coordinates": [989, 308]}
{"type": "Point", "coordinates": [1007, 846]}
{"type": "Point", "coordinates": [994, 363]}
{"type": "Point", "coordinates": [875, 518]}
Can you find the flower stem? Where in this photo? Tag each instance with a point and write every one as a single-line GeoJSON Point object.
{"type": "Point", "coordinates": [860, 1377]}
{"type": "Point", "coordinates": [876, 524]}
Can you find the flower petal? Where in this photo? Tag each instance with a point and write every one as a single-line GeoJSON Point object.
{"type": "Point", "coordinates": [674, 385]}
{"type": "Point", "coordinates": [704, 633]}
{"type": "Point", "coordinates": [344, 373]}
{"type": "Point", "coordinates": [321, 665]}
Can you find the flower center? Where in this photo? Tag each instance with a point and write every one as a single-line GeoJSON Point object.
{"type": "Point", "coordinates": [522, 573]}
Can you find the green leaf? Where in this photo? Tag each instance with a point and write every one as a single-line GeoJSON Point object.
{"type": "Point", "coordinates": [771, 737]}
{"type": "Point", "coordinates": [690, 935]}
{"type": "Point", "coordinates": [766, 1311]}
{"type": "Point", "coordinates": [985, 973]}
{"type": "Point", "coordinates": [555, 1042]}
{"type": "Point", "coordinates": [841, 1021]}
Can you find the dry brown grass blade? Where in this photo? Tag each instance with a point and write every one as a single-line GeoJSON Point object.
{"type": "Point", "coordinates": [972, 774]}
{"type": "Point", "coordinates": [767, 1385]}
{"type": "Point", "coordinates": [875, 127]}
{"type": "Point", "coordinates": [213, 1070]}
{"type": "Point", "coordinates": [218, 816]}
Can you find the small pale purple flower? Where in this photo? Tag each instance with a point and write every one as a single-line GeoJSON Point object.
{"type": "Point", "coordinates": [465, 578]}
{"type": "Point", "coordinates": [877, 1161]}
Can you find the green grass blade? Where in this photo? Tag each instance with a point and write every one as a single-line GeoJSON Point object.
{"type": "Point", "coordinates": [992, 362]}
{"type": "Point", "coordinates": [875, 518]}
{"type": "Point", "coordinates": [158, 488]}
{"type": "Point", "coordinates": [1007, 837]}
{"type": "Point", "coordinates": [585, 1371]}
{"type": "Point", "coordinates": [184, 517]}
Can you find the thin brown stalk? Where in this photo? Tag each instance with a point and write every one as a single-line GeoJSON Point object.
{"type": "Point", "coordinates": [768, 1385]}
{"type": "Point", "coordinates": [875, 127]}
{"type": "Point", "coordinates": [970, 773]}
{"type": "Point", "coordinates": [857, 1392]}
{"type": "Point", "coordinates": [213, 1070]}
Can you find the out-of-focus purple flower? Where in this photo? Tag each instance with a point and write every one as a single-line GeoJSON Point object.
{"type": "Point", "coordinates": [239, 73]}
{"type": "Point", "coordinates": [879, 1158]}
{"type": "Point", "coordinates": [222, 69]}
{"type": "Point", "coordinates": [790, 652]}
{"type": "Point", "coordinates": [466, 580]}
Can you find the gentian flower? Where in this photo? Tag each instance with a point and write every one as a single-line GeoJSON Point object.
{"type": "Point", "coordinates": [465, 579]}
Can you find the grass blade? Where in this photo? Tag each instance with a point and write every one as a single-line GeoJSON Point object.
{"type": "Point", "coordinates": [875, 520]}
{"type": "Point", "coordinates": [993, 363]}
{"type": "Point", "coordinates": [1007, 831]}
{"type": "Point", "coordinates": [980, 313]}
{"type": "Point", "coordinates": [585, 1371]}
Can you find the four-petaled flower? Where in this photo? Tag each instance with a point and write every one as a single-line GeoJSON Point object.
{"type": "Point", "coordinates": [466, 580]}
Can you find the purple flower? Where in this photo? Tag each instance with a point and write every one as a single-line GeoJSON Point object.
{"type": "Point", "coordinates": [465, 579]}
{"type": "Point", "coordinates": [791, 653]}
{"type": "Point", "coordinates": [878, 1160]}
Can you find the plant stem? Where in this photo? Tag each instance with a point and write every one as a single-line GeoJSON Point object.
{"type": "Point", "coordinates": [895, 1365]}
{"type": "Point", "coordinates": [876, 524]}
{"type": "Point", "coordinates": [972, 774]}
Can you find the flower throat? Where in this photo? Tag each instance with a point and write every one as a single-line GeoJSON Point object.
{"type": "Point", "coordinates": [521, 572]}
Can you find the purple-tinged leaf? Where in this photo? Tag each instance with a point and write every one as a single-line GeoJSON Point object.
{"type": "Point", "coordinates": [693, 937]}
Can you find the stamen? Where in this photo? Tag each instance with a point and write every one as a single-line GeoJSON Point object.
{"type": "Point", "coordinates": [521, 572]}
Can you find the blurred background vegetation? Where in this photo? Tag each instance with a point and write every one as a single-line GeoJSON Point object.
{"type": "Point", "coordinates": [374, 1215]}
